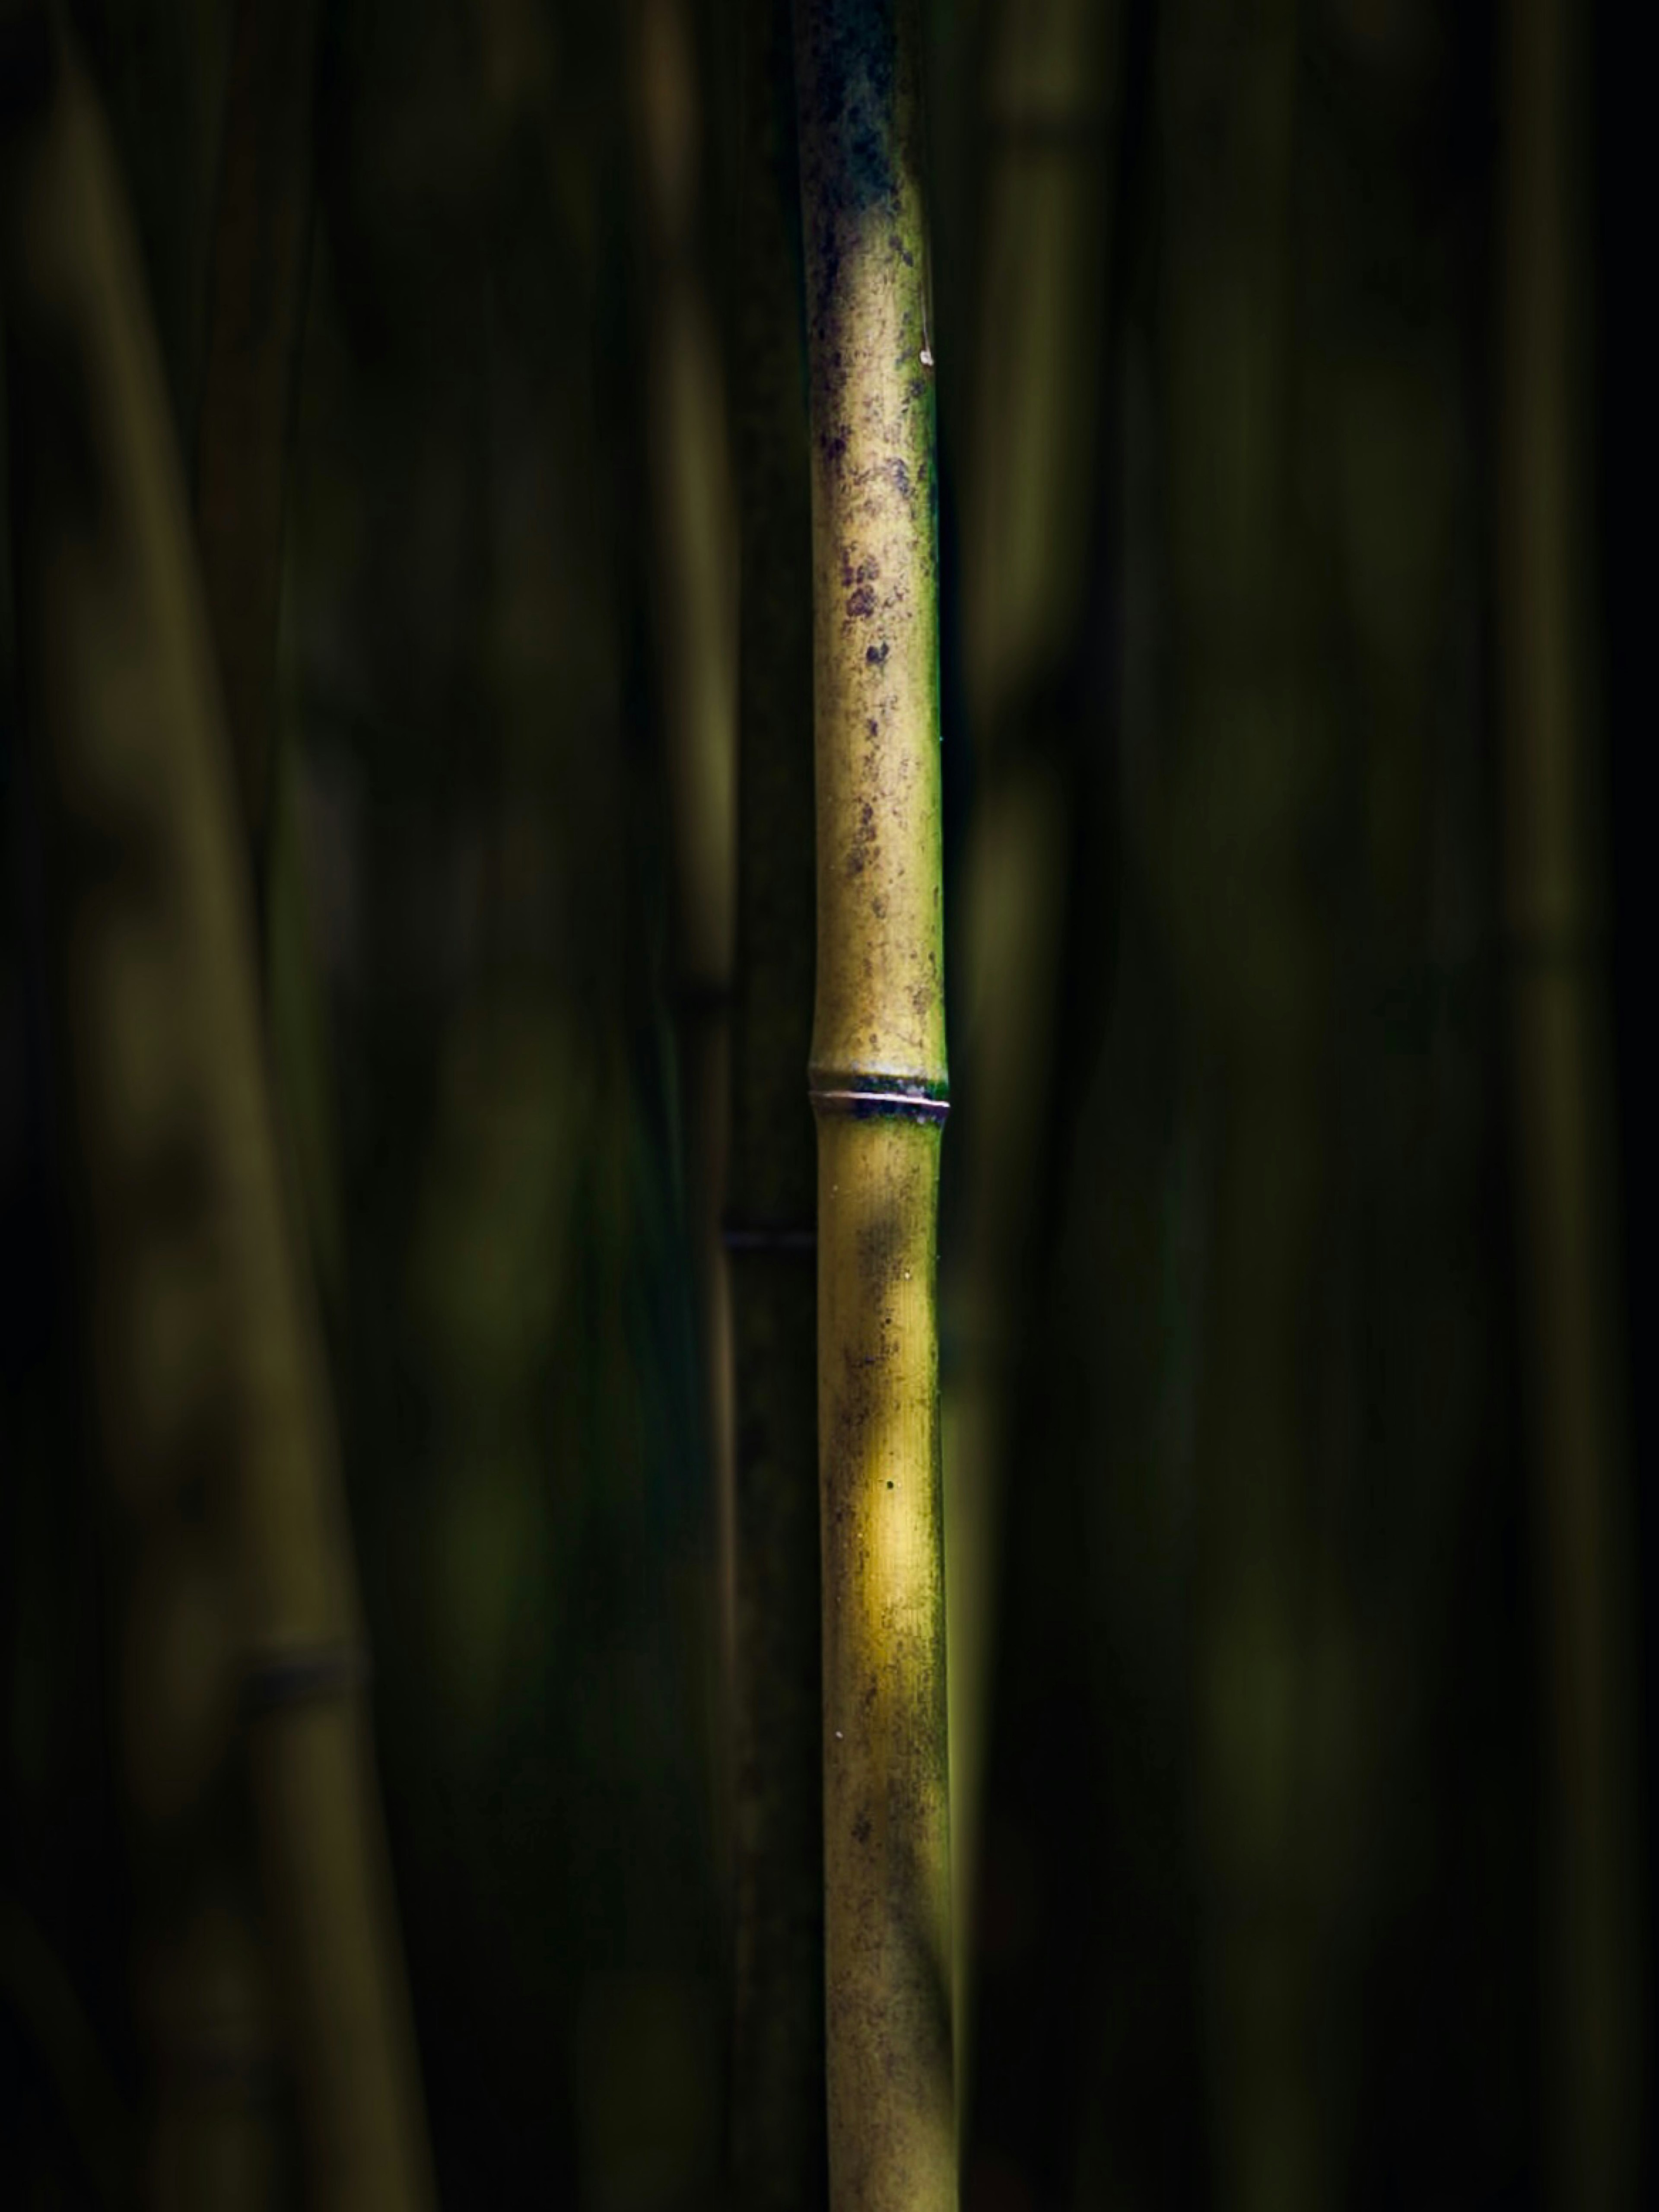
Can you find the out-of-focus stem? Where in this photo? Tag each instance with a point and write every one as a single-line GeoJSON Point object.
{"type": "Point", "coordinates": [778, 2148]}
{"type": "Point", "coordinates": [256, 310]}
{"type": "Point", "coordinates": [258, 268]}
{"type": "Point", "coordinates": [693, 564]}
{"type": "Point", "coordinates": [1049, 110]}
{"type": "Point", "coordinates": [1244, 777]}
{"type": "Point", "coordinates": [1555, 918]}
{"type": "Point", "coordinates": [242, 1623]}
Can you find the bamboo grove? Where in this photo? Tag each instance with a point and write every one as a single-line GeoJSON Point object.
{"type": "Point", "coordinates": [621, 1583]}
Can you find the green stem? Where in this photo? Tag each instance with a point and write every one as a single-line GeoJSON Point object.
{"type": "Point", "coordinates": [692, 566]}
{"type": "Point", "coordinates": [779, 2158]}
{"type": "Point", "coordinates": [1248, 765]}
{"type": "Point", "coordinates": [256, 311]}
{"type": "Point", "coordinates": [1049, 134]}
{"type": "Point", "coordinates": [208, 1382]}
{"type": "Point", "coordinates": [1555, 920]}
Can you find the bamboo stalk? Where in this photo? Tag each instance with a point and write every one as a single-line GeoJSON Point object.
{"type": "Point", "coordinates": [778, 2149]}
{"type": "Point", "coordinates": [258, 257]}
{"type": "Point", "coordinates": [694, 565]}
{"type": "Point", "coordinates": [877, 1081]}
{"type": "Point", "coordinates": [1556, 922]}
{"type": "Point", "coordinates": [1047, 138]}
{"type": "Point", "coordinates": [207, 1375]}
{"type": "Point", "coordinates": [694, 521]}
{"type": "Point", "coordinates": [258, 261]}
{"type": "Point", "coordinates": [1248, 746]}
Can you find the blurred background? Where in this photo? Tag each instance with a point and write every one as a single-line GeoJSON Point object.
{"type": "Point", "coordinates": [1297, 1258]}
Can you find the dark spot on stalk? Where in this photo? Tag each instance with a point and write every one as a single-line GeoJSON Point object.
{"type": "Point", "coordinates": [848, 89]}
{"type": "Point", "coordinates": [872, 728]}
{"type": "Point", "coordinates": [861, 1829]}
{"type": "Point", "coordinates": [901, 477]}
{"type": "Point", "coordinates": [876, 655]}
{"type": "Point", "coordinates": [880, 1245]}
{"type": "Point", "coordinates": [863, 839]}
{"type": "Point", "coordinates": [861, 602]}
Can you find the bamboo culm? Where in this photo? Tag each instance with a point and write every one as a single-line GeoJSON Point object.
{"type": "Point", "coordinates": [777, 2134]}
{"type": "Point", "coordinates": [1050, 100]}
{"type": "Point", "coordinates": [1556, 923]}
{"type": "Point", "coordinates": [877, 1081]}
{"type": "Point", "coordinates": [1247, 741]}
{"type": "Point", "coordinates": [693, 575]}
{"type": "Point", "coordinates": [207, 1374]}
{"type": "Point", "coordinates": [256, 308]}
{"type": "Point", "coordinates": [257, 281]}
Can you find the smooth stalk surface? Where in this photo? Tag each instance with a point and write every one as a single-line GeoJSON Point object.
{"type": "Point", "coordinates": [877, 1082]}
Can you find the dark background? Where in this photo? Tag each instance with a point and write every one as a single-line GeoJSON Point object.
{"type": "Point", "coordinates": [480, 1047]}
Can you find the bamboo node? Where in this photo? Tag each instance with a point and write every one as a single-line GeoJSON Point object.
{"type": "Point", "coordinates": [880, 1094]}
{"type": "Point", "coordinates": [302, 1674]}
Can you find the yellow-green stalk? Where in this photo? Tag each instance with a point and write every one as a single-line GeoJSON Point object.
{"type": "Point", "coordinates": [209, 1396]}
{"type": "Point", "coordinates": [879, 1084]}
{"type": "Point", "coordinates": [1555, 916]}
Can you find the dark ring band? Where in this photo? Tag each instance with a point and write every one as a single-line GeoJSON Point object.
{"type": "Point", "coordinates": [912, 1098]}
{"type": "Point", "coordinates": [302, 1676]}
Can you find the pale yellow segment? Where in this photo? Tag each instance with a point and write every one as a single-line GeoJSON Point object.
{"type": "Point", "coordinates": [880, 1004]}
{"type": "Point", "coordinates": [886, 1783]}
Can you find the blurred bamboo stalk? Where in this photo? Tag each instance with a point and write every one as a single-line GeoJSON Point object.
{"type": "Point", "coordinates": [35, 1988]}
{"type": "Point", "coordinates": [259, 259]}
{"type": "Point", "coordinates": [259, 253]}
{"type": "Point", "coordinates": [694, 553]}
{"type": "Point", "coordinates": [209, 1395]}
{"type": "Point", "coordinates": [1048, 133]}
{"type": "Point", "coordinates": [1243, 778]}
{"type": "Point", "coordinates": [1556, 919]}
{"type": "Point", "coordinates": [878, 1083]}
{"type": "Point", "coordinates": [778, 2147]}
